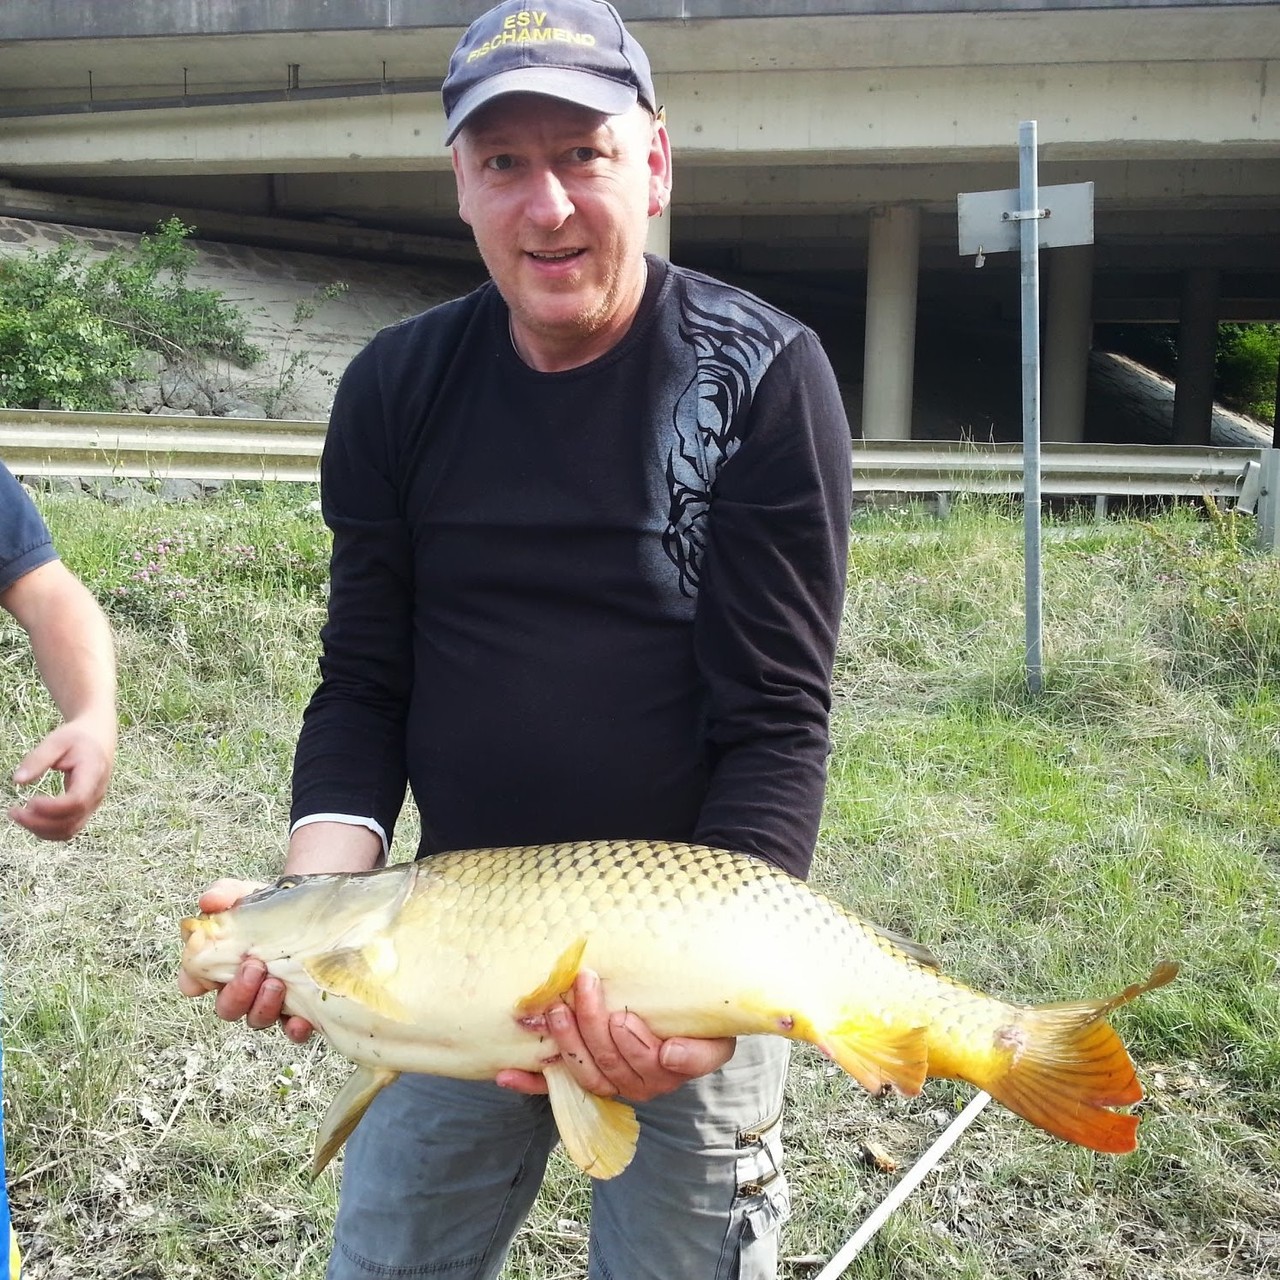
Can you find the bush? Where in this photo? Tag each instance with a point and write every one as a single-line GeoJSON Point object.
{"type": "Point", "coordinates": [1247, 358]}
{"type": "Point", "coordinates": [70, 329]}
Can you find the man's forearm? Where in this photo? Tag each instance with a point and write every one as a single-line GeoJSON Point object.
{"type": "Point", "coordinates": [72, 643]}
{"type": "Point", "coordinates": [319, 847]}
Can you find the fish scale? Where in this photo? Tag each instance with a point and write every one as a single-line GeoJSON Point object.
{"type": "Point", "coordinates": [445, 966]}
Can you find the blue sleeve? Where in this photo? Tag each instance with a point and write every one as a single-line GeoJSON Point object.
{"type": "Point", "coordinates": [769, 612]}
{"type": "Point", "coordinates": [25, 543]}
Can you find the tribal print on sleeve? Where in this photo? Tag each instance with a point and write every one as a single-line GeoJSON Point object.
{"type": "Point", "coordinates": [732, 347]}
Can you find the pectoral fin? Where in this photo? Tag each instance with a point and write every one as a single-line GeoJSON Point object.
{"type": "Point", "coordinates": [598, 1133]}
{"type": "Point", "coordinates": [344, 1113]}
{"type": "Point", "coordinates": [558, 981]}
{"type": "Point", "coordinates": [360, 974]}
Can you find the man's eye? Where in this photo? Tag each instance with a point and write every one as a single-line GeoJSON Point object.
{"type": "Point", "coordinates": [499, 163]}
{"type": "Point", "coordinates": [584, 154]}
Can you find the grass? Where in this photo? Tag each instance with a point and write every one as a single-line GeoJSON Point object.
{"type": "Point", "coordinates": [1047, 847]}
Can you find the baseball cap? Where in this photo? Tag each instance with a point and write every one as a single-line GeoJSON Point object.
{"type": "Point", "coordinates": [575, 50]}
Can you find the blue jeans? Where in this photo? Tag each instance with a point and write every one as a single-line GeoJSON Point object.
{"type": "Point", "coordinates": [440, 1174]}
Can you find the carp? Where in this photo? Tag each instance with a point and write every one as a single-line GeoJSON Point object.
{"type": "Point", "coordinates": [439, 966]}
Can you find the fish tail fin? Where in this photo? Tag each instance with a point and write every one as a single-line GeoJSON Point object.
{"type": "Point", "coordinates": [598, 1133]}
{"type": "Point", "coordinates": [1063, 1068]}
{"type": "Point", "coordinates": [346, 1111]}
{"type": "Point", "coordinates": [877, 1055]}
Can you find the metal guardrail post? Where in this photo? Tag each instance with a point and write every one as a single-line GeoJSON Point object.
{"type": "Point", "coordinates": [1269, 501]}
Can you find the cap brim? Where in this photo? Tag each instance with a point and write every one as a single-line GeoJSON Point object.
{"type": "Point", "coordinates": [579, 87]}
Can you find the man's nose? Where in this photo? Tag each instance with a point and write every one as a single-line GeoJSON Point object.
{"type": "Point", "coordinates": [549, 204]}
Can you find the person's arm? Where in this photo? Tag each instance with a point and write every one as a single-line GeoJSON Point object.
{"type": "Point", "coordinates": [74, 651]}
{"type": "Point", "coordinates": [350, 755]}
{"type": "Point", "coordinates": [768, 613]}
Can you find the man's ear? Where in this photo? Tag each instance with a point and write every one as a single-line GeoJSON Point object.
{"type": "Point", "coordinates": [659, 165]}
{"type": "Point", "coordinates": [460, 179]}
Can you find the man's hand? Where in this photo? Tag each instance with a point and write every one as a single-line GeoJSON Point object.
{"type": "Point", "coordinates": [82, 751]}
{"type": "Point", "coordinates": [616, 1054]}
{"type": "Point", "coordinates": [252, 994]}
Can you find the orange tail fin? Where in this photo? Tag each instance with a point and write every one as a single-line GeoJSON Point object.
{"type": "Point", "coordinates": [1066, 1068]}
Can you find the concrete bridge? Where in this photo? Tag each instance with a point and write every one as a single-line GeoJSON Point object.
{"type": "Point", "coordinates": [820, 146]}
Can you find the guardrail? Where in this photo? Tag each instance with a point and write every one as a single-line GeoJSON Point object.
{"type": "Point", "coordinates": [1248, 479]}
{"type": "Point", "coordinates": [40, 442]}
{"type": "Point", "coordinates": [52, 443]}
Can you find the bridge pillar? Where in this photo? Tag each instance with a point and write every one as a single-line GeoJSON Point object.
{"type": "Point", "coordinates": [893, 260]}
{"type": "Point", "coordinates": [1068, 337]}
{"type": "Point", "coordinates": [1197, 346]}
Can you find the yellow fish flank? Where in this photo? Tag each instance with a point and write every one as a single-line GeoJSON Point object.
{"type": "Point", "coordinates": [436, 966]}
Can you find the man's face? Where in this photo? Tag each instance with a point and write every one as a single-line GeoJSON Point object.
{"type": "Point", "coordinates": [559, 199]}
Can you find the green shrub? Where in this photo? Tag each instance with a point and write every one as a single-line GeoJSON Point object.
{"type": "Point", "coordinates": [1247, 358]}
{"type": "Point", "coordinates": [70, 329]}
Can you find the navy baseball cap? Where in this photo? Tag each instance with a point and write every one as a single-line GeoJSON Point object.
{"type": "Point", "coordinates": [575, 50]}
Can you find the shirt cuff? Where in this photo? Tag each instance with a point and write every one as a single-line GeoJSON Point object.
{"type": "Point", "coordinates": [350, 820]}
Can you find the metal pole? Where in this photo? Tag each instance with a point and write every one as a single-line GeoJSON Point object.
{"type": "Point", "coordinates": [910, 1180]}
{"type": "Point", "coordinates": [1028, 202]}
{"type": "Point", "coordinates": [1269, 501]}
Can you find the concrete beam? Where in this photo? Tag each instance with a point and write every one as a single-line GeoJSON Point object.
{"type": "Point", "coordinates": [1122, 111]}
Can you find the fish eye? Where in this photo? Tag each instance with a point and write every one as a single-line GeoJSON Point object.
{"type": "Point", "coordinates": [288, 882]}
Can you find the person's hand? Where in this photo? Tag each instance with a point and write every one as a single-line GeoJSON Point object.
{"type": "Point", "coordinates": [252, 994]}
{"type": "Point", "coordinates": [78, 751]}
{"type": "Point", "coordinates": [616, 1053]}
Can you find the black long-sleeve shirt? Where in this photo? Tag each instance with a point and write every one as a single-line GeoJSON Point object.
{"type": "Point", "coordinates": [600, 603]}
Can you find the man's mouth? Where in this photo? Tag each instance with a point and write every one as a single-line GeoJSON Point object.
{"type": "Point", "coordinates": [554, 255]}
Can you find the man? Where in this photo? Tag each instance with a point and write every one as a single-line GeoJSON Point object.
{"type": "Point", "coordinates": [590, 532]}
{"type": "Point", "coordinates": [74, 652]}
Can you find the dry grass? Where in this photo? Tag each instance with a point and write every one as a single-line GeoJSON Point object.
{"type": "Point", "coordinates": [1045, 848]}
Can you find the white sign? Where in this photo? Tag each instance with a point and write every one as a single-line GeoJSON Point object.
{"type": "Point", "coordinates": [990, 221]}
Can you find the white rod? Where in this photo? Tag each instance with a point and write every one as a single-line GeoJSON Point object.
{"type": "Point", "coordinates": [910, 1180]}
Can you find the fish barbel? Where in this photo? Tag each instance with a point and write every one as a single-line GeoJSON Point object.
{"type": "Point", "coordinates": [440, 965]}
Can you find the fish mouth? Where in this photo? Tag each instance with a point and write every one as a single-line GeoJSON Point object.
{"type": "Point", "coordinates": [198, 932]}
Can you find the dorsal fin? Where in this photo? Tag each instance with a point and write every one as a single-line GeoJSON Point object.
{"type": "Point", "coordinates": [916, 950]}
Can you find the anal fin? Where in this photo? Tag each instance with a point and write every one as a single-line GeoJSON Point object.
{"type": "Point", "coordinates": [345, 1112]}
{"type": "Point", "coordinates": [598, 1133]}
{"type": "Point", "coordinates": [876, 1054]}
